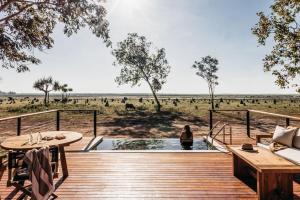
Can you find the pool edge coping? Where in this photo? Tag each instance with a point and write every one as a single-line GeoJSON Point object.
{"type": "Point", "coordinates": [219, 149]}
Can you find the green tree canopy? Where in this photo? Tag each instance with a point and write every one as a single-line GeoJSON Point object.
{"type": "Point", "coordinates": [46, 85]}
{"type": "Point", "coordinates": [281, 25]}
{"type": "Point", "coordinates": [207, 69]}
{"type": "Point", "coordinates": [26, 26]}
{"type": "Point", "coordinates": [65, 89]}
{"type": "Point", "coordinates": [141, 62]}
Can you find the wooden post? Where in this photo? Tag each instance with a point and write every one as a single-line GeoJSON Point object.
{"type": "Point", "coordinates": [230, 130]}
{"type": "Point", "coordinates": [287, 122]}
{"type": "Point", "coordinates": [57, 120]}
{"type": "Point", "coordinates": [248, 122]}
{"type": "Point", "coordinates": [210, 121]}
{"type": "Point", "coordinates": [224, 134]}
{"type": "Point", "coordinates": [95, 123]}
{"type": "Point", "coordinates": [19, 126]}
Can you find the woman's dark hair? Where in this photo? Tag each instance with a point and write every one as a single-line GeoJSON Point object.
{"type": "Point", "coordinates": [188, 130]}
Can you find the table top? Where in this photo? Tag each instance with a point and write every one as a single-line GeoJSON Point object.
{"type": "Point", "coordinates": [265, 161]}
{"type": "Point", "coordinates": [21, 142]}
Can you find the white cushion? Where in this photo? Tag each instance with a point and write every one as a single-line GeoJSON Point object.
{"type": "Point", "coordinates": [290, 154]}
{"type": "Point", "coordinates": [284, 136]}
{"type": "Point", "coordinates": [263, 146]}
{"type": "Point", "coordinates": [296, 141]}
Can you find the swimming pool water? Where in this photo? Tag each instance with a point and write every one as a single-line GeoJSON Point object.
{"type": "Point", "coordinates": [152, 144]}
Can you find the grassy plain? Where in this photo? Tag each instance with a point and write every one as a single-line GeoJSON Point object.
{"type": "Point", "coordinates": [113, 120]}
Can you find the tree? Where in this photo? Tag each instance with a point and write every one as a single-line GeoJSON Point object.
{"type": "Point", "coordinates": [140, 62]}
{"type": "Point", "coordinates": [65, 89]}
{"type": "Point", "coordinates": [28, 25]}
{"type": "Point", "coordinates": [46, 85]}
{"type": "Point", "coordinates": [281, 25]}
{"type": "Point", "coordinates": [207, 69]}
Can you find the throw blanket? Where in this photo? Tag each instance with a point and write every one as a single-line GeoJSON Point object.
{"type": "Point", "coordinates": [40, 173]}
{"type": "Point", "coordinates": [274, 146]}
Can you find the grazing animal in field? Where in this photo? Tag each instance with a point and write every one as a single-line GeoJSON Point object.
{"type": "Point", "coordinates": [106, 104]}
{"type": "Point", "coordinates": [141, 100]}
{"type": "Point", "coordinates": [129, 106]}
{"type": "Point", "coordinates": [124, 100]}
{"type": "Point", "coordinates": [175, 103]}
{"type": "Point", "coordinates": [11, 100]}
{"type": "Point", "coordinates": [56, 100]}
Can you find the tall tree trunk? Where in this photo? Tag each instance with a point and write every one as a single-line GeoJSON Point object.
{"type": "Point", "coordinates": [212, 100]}
{"type": "Point", "coordinates": [158, 106]}
{"type": "Point", "coordinates": [48, 98]}
{"type": "Point", "coordinates": [45, 98]}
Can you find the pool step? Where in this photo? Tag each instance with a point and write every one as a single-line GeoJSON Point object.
{"type": "Point", "coordinates": [220, 147]}
{"type": "Point", "coordinates": [93, 143]}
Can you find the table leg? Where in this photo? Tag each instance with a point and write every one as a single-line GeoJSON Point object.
{"type": "Point", "coordinates": [244, 172]}
{"type": "Point", "coordinates": [274, 186]}
{"type": "Point", "coordinates": [237, 166]}
{"type": "Point", "coordinates": [64, 166]}
{"type": "Point", "coordinates": [63, 161]}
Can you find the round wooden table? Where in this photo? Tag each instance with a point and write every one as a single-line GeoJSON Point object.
{"type": "Point", "coordinates": [20, 143]}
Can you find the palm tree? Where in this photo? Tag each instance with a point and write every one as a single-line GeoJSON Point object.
{"type": "Point", "coordinates": [65, 89]}
{"type": "Point", "coordinates": [46, 85]}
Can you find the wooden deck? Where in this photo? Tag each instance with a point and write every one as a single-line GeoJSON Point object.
{"type": "Point", "coordinates": [94, 175]}
{"type": "Point", "coordinates": [150, 175]}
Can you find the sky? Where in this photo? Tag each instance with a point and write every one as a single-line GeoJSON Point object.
{"type": "Point", "coordinates": [187, 29]}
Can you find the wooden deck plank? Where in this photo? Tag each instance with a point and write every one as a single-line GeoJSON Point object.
{"type": "Point", "coordinates": [150, 175]}
{"type": "Point", "coordinates": [80, 145]}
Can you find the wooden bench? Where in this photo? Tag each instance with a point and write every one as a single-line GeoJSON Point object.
{"type": "Point", "coordinates": [261, 136]}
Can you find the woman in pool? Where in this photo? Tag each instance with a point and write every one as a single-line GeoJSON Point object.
{"type": "Point", "coordinates": [186, 137]}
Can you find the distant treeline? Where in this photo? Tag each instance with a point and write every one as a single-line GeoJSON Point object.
{"type": "Point", "coordinates": [163, 96]}
{"type": "Point", "coordinates": [7, 93]}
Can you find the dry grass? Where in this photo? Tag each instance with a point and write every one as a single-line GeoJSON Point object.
{"type": "Point", "coordinates": [115, 121]}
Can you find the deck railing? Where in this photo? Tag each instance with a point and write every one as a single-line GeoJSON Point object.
{"type": "Point", "coordinates": [287, 118]}
{"type": "Point", "coordinates": [57, 118]}
{"type": "Point", "coordinates": [94, 114]}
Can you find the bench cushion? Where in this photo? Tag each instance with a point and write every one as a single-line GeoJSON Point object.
{"type": "Point", "coordinates": [290, 154]}
{"type": "Point", "coordinates": [263, 146]}
{"type": "Point", "coordinates": [284, 136]}
{"type": "Point", "coordinates": [296, 141]}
